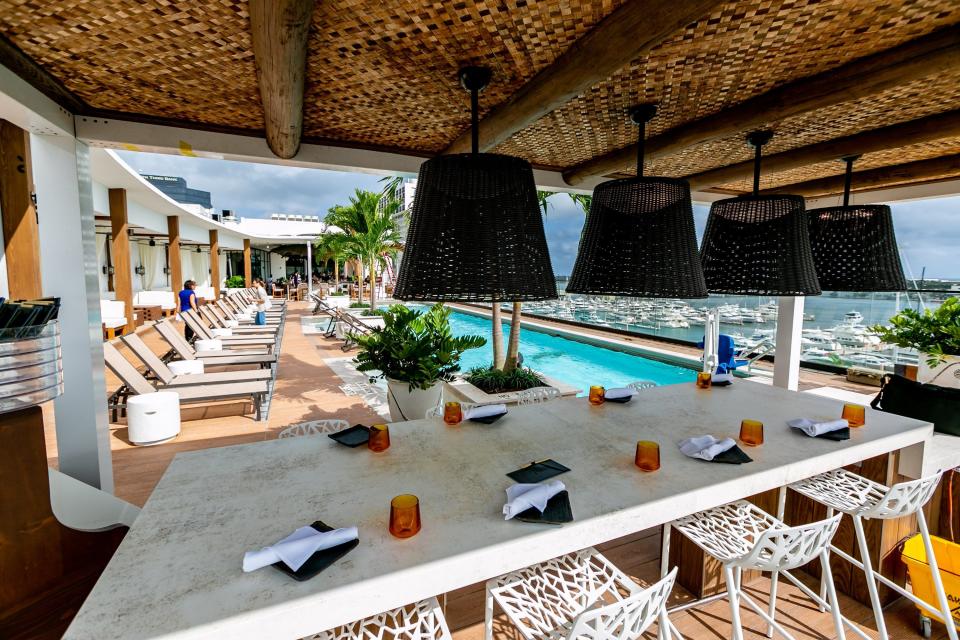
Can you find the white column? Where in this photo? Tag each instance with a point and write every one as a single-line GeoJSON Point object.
{"type": "Point", "coordinates": [61, 169]}
{"type": "Point", "coordinates": [309, 273]}
{"type": "Point", "coordinates": [786, 367]}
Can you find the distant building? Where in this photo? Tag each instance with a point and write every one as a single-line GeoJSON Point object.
{"type": "Point", "coordinates": [176, 188]}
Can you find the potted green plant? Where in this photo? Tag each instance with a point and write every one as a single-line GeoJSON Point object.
{"type": "Point", "coordinates": [936, 337]}
{"type": "Point", "coordinates": [416, 352]}
{"type": "Point", "coordinates": [236, 282]}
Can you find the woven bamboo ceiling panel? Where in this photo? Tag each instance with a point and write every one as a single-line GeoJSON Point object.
{"type": "Point", "coordinates": [187, 60]}
{"type": "Point", "coordinates": [742, 50]}
{"type": "Point", "coordinates": [899, 104]}
{"type": "Point", "coordinates": [385, 73]}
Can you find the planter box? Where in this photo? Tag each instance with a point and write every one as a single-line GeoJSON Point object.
{"type": "Point", "coordinates": [946, 374]}
{"type": "Point", "coordinates": [463, 391]}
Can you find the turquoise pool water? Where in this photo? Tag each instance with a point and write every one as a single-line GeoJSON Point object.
{"type": "Point", "coordinates": [573, 362]}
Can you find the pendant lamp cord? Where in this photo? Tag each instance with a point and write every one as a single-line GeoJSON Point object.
{"type": "Point", "coordinates": [757, 152]}
{"type": "Point", "coordinates": [474, 121]}
{"type": "Point", "coordinates": [641, 136]}
{"type": "Point", "coordinates": [848, 179]}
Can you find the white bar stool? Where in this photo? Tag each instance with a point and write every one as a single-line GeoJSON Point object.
{"type": "Point", "coordinates": [185, 367]}
{"type": "Point", "coordinates": [864, 499]}
{"type": "Point", "coordinates": [418, 621]}
{"type": "Point", "coordinates": [314, 427]}
{"type": "Point", "coordinates": [742, 536]}
{"type": "Point", "coordinates": [579, 595]}
{"type": "Point", "coordinates": [153, 418]}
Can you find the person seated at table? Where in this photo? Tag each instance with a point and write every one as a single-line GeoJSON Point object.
{"type": "Point", "coordinates": [188, 300]}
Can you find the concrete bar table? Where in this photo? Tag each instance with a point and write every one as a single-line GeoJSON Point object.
{"type": "Point", "coordinates": [178, 572]}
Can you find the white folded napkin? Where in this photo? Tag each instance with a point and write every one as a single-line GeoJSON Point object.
{"type": "Point", "coordinates": [484, 411]}
{"type": "Point", "coordinates": [521, 497]}
{"type": "Point", "coordinates": [814, 429]}
{"type": "Point", "coordinates": [297, 548]}
{"type": "Point", "coordinates": [619, 392]}
{"type": "Point", "coordinates": [221, 333]}
{"type": "Point", "coordinates": [705, 447]}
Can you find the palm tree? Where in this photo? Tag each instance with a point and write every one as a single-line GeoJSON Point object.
{"type": "Point", "coordinates": [330, 246]}
{"type": "Point", "coordinates": [582, 200]}
{"type": "Point", "coordinates": [368, 232]}
{"type": "Point", "coordinates": [513, 343]}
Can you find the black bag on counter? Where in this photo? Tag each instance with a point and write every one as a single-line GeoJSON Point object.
{"type": "Point", "coordinates": [927, 402]}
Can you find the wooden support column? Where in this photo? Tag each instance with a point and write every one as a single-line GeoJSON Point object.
{"type": "Point", "coordinates": [21, 235]}
{"type": "Point", "coordinates": [122, 279]}
{"type": "Point", "coordinates": [215, 263]}
{"type": "Point", "coordinates": [173, 257]}
{"type": "Point", "coordinates": [247, 267]}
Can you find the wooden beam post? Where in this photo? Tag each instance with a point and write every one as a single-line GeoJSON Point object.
{"type": "Point", "coordinates": [900, 174]}
{"type": "Point", "coordinates": [247, 267]}
{"type": "Point", "coordinates": [629, 32]}
{"type": "Point", "coordinates": [929, 55]}
{"type": "Point", "coordinates": [173, 257]}
{"type": "Point", "coordinates": [279, 30]}
{"type": "Point", "coordinates": [21, 234]}
{"type": "Point", "coordinates": [122, 278]}
{"type": "Point", "coordinates": [215, 262]}
{"type": "Point", "coordinates": [936, 127]}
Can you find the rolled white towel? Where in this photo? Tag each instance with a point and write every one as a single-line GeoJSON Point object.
{"type": "Point", "coordinates": [484, 411]}
{"type": "Point", "coordinates": [297, 548]}
{"type": "Point", "coordinates": [619, 392]}
{"type": "Point", "coordinates": [705, 447]}
{"type": "Point", "coordinates": [521, 497]}
{"type": "Point", "coordinates": [814, 429]}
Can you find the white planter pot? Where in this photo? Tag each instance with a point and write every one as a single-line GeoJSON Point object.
{"type": "Point", "coordinates": [946, 374]}
{"type": "Point", "coordinates": [411, 404]}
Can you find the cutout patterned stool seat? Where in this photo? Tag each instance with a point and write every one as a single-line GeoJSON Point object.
{"type": "Point", "coordinates": [314, 427]}
{"type": "Point", "coordinates": [418, 621]}
{"type": "Point", "coordinates": [640, 385]}
{"type": "Point", "coordinates": [742, 536]}
{"type": "Point", "coordinates": [863, 499]}
{"type": "Point", "coordinates": [437, 411]}
{"type": "Point", "coordinates": [580, 595]}
{"type": "Point", "coordinates": [537, 395]}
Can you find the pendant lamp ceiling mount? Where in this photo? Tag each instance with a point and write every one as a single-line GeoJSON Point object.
{"type": "Point", "coordinates": [475, 78]}
{"type": "Point", "coordinates": [757, 139]}
{"type": "Point", "coordinates": [642, 113]}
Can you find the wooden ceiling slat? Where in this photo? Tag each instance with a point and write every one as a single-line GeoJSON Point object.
{"type": "Point", "coordinates": [626, 34]}
{"type": "Point", "coordinates": [944, 125]}
{"type": "Point", "coordinates": [926, 56]}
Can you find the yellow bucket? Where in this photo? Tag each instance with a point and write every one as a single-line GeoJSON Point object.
{"type": "Point", "coordinates": [921, 579]}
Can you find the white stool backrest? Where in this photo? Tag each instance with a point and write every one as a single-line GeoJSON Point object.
{"type": "Point", "coordinates": [537, 395]}
{"type": "Point", "coordinates": [640, 385]}
{"type": "Point", "coordinates": [628, 618]}
{"type": "Point", "coordinates": [904, 498]}
{"type": "Point", "coordinates": [314, 427]}
{"type": "Point", "coordinates": [786, 549]}
{"type": "Point", "coordinates": [419, 621]}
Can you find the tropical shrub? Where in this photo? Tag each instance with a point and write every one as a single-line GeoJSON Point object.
{"type": "Point", "coordinates": [935, 333]}
{"type": "Point", "coordinates": [415, 347]}
{"type": "Point", "coordinates": [236, 282]}
{"type": "Point", "coordinates": [491, 380]}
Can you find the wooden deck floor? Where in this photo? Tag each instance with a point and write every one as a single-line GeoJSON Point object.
{"type": "Point", "coordinates": [308, 389]}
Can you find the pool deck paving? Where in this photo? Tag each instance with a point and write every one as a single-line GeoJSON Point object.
{"type": "Point", "coordinates": [313, 382]}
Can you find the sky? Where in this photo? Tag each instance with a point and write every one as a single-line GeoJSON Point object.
{"type": "Point", "coordinates": [928, 231]}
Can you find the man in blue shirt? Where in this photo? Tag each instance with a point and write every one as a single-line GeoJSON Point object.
{"type": "Point", "coordinates": [188, 300]}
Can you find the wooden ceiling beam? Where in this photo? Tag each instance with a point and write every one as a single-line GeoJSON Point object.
{"type": "Point", "coordinates": [909, 172]}
{"type": "Point", "coordinates": [931, 54]}
{"type": "Point", "coordinates": [935, 127]}
{"type": "Point", "coordinates": [629, 32]}
{"type": "Point", "coordinates": [279, 30]}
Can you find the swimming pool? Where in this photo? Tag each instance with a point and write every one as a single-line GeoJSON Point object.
{"type": "Point", "coordinates": [576, 363]}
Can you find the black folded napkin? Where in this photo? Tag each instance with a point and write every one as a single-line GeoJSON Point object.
{"type": "Point", "coordinates": [538, 471]}
{"type": "Point", "coordinates": [557, 511]}
{"type": "Point", "coordinates": [320, 560]}
{"type": "Point", "coordinates": [733, 455]}
{"type": "Point", "coordinates": [488, 419]}
{"type": "Point", "coordinates": [837, 435]}
{"type": "Point", "coordinates": [622, 400]}
{"type": "Point", "coordinates": [355, 436]}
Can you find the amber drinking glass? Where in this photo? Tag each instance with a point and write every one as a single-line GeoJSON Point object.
{"type": "Point", "coordinates": [379, 438]}
{"type": "Point", "coordinates": [648, 455]}
{"type": "Point", "coordinates": [751, 432]}
{"type": "Point", "coordinates": [452, 413]}
{"type": "Point", "coordinates": [405, 516]}
{"type": "Point", "coordinates": [703, 380]}
{"type": "Point", "coordinates": [854, 414]}
{"type": "Point", "coordinates": [596, 394]}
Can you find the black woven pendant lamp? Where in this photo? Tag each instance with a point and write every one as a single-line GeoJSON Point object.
{"type": "Point", "coordinates": [758, 245]}
{"type": "Point", "coordinates": [854, 246]}
{"type": "Point", "coordinates": [639, 239]}
{"type": "Point", "coordinates": [476, 233]}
